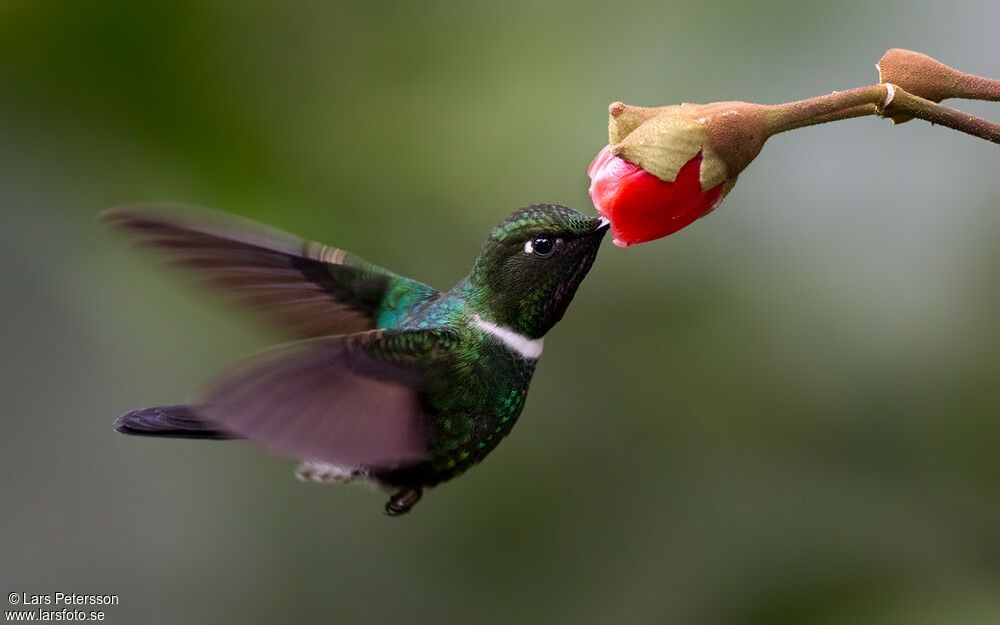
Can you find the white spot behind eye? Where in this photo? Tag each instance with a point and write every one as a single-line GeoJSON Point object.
{"type": "Point", "coordinates": [529, 248]}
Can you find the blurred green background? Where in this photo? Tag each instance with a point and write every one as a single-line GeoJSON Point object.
{"type": "Point", "coordinates": [787, 413]}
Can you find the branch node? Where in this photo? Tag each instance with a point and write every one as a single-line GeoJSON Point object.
{"type": "Point", "coordinates": [890, 93]}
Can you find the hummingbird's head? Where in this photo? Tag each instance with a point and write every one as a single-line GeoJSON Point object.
{"type": "Point", "coordinates": [532, 263]}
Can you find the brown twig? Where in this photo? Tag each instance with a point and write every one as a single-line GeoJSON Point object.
{"type": "Point", "coordinates": [905, 103]}
{"type": "Point", "coordinates": [886, 100]}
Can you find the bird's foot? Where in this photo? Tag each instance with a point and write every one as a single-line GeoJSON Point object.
{"type": "Point", "coordinates": [402, 501]}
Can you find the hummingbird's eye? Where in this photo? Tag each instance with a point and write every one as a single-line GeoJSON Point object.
{"type": "Point", "coordinates": [542, 247]}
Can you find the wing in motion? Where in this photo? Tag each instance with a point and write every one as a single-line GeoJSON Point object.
{"type": "Point", "coordinates": [306, 288]}
{"type": "Point", "coordinates": [359, 400]}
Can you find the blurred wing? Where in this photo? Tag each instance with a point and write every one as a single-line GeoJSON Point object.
{"type": "Point", "coordinates": [306, 288]}
{"type": "Point", "coordinates": [359, 400]}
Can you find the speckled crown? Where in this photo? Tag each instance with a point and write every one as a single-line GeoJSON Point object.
{"type": "Point", "coordinates": [543, 217]}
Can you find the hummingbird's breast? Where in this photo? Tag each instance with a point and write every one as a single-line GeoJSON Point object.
{"type": "Point", "coordinates": [479, 397]}
{"type": "Point", "coordinates": [481, 407]}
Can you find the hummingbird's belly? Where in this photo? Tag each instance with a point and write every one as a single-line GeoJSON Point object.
{"type": "Point", "coordinates": [478, 408]}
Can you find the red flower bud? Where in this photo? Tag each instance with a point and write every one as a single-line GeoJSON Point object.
{"type": "Point", "coordinates": [642, 207]}
{"type": "Point", "coordinates": [665, 167]}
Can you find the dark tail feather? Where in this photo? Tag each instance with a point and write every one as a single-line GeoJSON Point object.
{"type": "Point", "coordinates": [169, 421]}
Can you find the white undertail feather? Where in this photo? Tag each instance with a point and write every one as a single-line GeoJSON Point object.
{"type": "Point", "coordinates": [521, 345]}
{"type": "Point", "coordinates": [324, 472]}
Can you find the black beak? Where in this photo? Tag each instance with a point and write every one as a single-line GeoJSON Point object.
{"type": "Point", "coordinates": [602, 225]}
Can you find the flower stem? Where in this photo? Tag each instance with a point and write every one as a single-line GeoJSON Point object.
{"type": "Point", "coordinates": [979, 88]}
{"type": "Point", "coordinates": [861, 110]}
{"type": "Point", "coordinates": [885, 100]}
{"type": "Point", "coordinates": [824, 108]}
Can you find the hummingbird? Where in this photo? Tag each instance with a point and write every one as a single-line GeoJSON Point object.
{"type": "Point", "coordinates": [387, 381]}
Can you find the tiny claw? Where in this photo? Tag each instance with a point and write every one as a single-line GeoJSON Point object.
{"type": "Point", "coordinates": [403, 501]}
